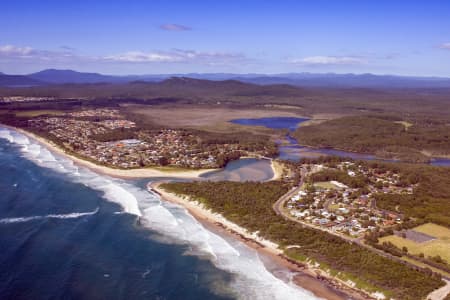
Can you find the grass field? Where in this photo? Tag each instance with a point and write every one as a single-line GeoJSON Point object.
{"type": "Point", "coordinates": [36, 113]}
{"type": "Point", "coordinates": [440, 246]}
{"type": "Point", "coordinates": [325, 185]}
{"type": "Point", "coordinates": [210, 118]}
{"type": "Point", "coordinates": [437, 231]}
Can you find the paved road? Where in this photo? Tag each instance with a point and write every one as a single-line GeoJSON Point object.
{"type": "Point", "coordinates": [278, 207]}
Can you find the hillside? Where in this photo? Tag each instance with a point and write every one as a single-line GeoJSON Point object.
{"type": "Point", "coordinates": [388, 137]}
{"type": "Point", "coordinates": [68, 76]}
{"type": "Point", "coordinates": [313, 100]}
{"type": "Point", "coordinates": [18, 80]}
{"type": "Point", "coordinates": [304, 79]}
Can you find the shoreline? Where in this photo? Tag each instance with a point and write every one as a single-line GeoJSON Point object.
{"type": "Point", "coordinates": [277, 169]}
{"type": "Point", "coordinates": [119, 173]}
{"type": "Point", "coordinates": [428, 154]}
{"type": "Point", "coordinates": [309, 278]}
{"type": "Point", "coordinates": [132, 173]}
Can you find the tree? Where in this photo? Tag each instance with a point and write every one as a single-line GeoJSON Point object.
{"type": "Point", "coordinates": [163, 161]}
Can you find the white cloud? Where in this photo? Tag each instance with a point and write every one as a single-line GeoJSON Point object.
{"type": "Point", "coordinates": [174, 27]}
{"type": "Point", "coordinates": [138, 56]}
{"type": "Point", "coordinates": [14, 51]}
{"type": "Point", "coordinates": [176, 55]}
{"type": "Point", "coordinates": [445, 46]}
{"type": "Point", "coordinates": [329, 60]}
{"type": "Point", "coordinates": [10, 52]}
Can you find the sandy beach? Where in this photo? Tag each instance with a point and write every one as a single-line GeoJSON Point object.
{"type": "Point", "coordinates": [277, 169]}
{"type": "Point", "coordinates": [307, 277]}
{"type": "Point", "coordinates": [120, 173]}
{"type": "Point", "coordinates": [133, 173]}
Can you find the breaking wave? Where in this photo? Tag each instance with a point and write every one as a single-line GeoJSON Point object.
{"type": "Point", "coordinates": [50, 216]}
{"type": "Point", "coordinates": [171, 222]}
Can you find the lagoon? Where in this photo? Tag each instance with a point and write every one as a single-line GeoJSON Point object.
{"type": "Point", "coordinates": [289, 123]}
{"type": "Point", "coordinates": [290, 149]}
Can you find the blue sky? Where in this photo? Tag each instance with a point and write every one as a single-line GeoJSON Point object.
{"type": "Point", "coordinates": [145, 37]}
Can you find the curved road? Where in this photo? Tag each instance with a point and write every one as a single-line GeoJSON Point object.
{"type": "Point", "coordinates": [278, 207]}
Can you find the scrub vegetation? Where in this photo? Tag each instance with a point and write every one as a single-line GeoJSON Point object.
{"type": "Point", "coordinates": [250, 205]}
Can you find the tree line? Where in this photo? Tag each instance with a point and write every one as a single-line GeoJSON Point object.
{"type": "Point", "coordinates": [249, 204]}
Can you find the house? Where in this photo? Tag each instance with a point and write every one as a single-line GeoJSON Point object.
{"type": "Point", "coordinates": [323, 221]}
{"type": "Point", "coordinates": [343, 210]}
{"type": "Point", "coordinates": [340, 218]}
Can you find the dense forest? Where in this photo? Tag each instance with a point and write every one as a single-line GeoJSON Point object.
{"type": "Point", "coordinates": [384, 136]}
{"type": "Point", "coordinates": [430, 201]}
{"type": "Point", "coordinates": [250, 205]}
{"type": "Point", "coordinates": [310, 100]}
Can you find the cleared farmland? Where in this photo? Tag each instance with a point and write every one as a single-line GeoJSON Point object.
{"type": "Point", "coordinates": [439, 246]}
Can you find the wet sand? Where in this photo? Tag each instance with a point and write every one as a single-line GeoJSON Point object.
{"type": "Point", "coordinates": [240, 170]}
{"type": "Point", "coordinates": [120, 173]}
{"type": "Point", "coordinates": [306, 277]}
{"type": "Point", "coordinates": [245, 169]}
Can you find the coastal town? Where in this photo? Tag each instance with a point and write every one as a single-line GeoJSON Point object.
{"type": "Point", "coordinates": [106, 137]}
{"type": "Point", "coordinates": [12, 99]}
{"type": "Point", "coordinates": [342, 209]}
{"type": "Point", "coordinates": [257, 150]}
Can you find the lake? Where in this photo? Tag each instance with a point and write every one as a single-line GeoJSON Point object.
{"type": "Point", "coordinates": [245, 169]}
{"type": "Point", "coordinates": [67, 232]}
{"type": "Point", "coordinates": [291, 150]}
{"type": "Point", "coordinates": [289, 123]}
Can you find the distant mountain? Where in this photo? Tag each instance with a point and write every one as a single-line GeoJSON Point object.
{"type": "Point", "coordinates": [320, 80]}
{"type": "Point", "coordinates": [196, 82]}
{"type": "Point", "coordinates": [349, 80]}
{"type": "Point", "coordinates": [17, 80]}
{"type": "Point", "coordinates": [69, 76]}
{"type": "Point", "coordinates": [53, 76]}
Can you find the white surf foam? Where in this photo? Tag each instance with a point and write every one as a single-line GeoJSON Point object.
{"type": "Point", "coordinates": [174, 223]}
{"type": "Point", "coordinates": [6, 134]}
{"type": "Point", "coordinates": [50, 216]}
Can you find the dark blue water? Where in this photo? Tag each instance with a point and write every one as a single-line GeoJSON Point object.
{"type": "Point", "coordinates": [440, 162]}
{"type": "Point", "coordinates": [101, 255]}
{"type": "Point", "coordinates": [293, 151]}
{"type": "Point", "coordinates": [288, 123]}
{"type": "Point", "coordinates": [69, 233]}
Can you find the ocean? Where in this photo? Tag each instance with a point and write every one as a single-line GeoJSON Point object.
{"type": "Point", "coordinates": [69, 233]}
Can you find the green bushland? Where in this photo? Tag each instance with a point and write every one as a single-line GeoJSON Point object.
{"type": "Point", "coordinates": [380, 135]}
{"type": "Point", "coordinates": [249, 204]}
{"type": "Point", "coordinates": [311, 100]}
{"type": "Point", "coordinates": [430, 201]}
